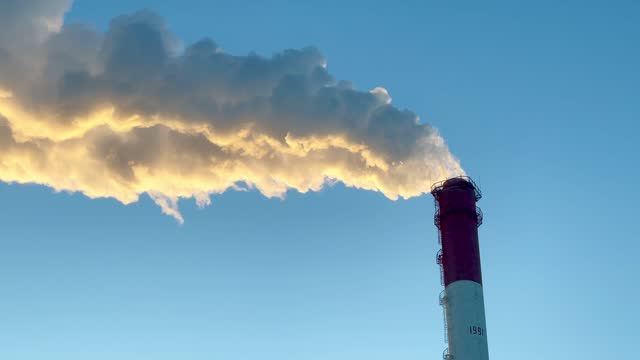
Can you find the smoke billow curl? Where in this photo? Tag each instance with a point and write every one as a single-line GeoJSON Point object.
{"type": "Point", "coordinates": [132, 111]}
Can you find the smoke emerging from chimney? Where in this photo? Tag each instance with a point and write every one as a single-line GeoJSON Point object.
{"type": "Point", "coordinates": [133, 111]}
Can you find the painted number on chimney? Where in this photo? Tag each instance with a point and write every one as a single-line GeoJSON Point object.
{"type": "Point", "coordinates": [476, 330]}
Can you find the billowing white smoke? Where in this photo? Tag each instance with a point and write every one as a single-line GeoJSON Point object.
{"type": "Point", "coordinates": [129, 111]}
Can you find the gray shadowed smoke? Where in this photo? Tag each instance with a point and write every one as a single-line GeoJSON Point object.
{"type": "Point", "coordinates": [193, 121]}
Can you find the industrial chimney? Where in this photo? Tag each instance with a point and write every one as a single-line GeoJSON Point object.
{"type": "Point", "coordinates": [457, 218]}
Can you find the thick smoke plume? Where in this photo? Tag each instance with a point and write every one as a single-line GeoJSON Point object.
{"type": "Point", "coordinates": [133, 111]}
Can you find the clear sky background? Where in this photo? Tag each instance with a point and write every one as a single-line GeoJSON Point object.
{"type": "Point", "coordinates": [540, 102]}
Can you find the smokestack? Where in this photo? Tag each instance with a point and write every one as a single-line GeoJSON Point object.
{"type": "Point", "coordinates": [457, 218]}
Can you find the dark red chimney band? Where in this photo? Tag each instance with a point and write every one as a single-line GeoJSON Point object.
{"type": "Point", "coordinates": [458, 219]}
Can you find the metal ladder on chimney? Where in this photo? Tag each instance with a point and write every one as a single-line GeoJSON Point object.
{"type": "Point", "coordinates": [442, 298]}
{"type": "Point", "coordinates": [443, 302]}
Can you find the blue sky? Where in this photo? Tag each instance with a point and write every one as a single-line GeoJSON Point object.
{"type": "Point", "coordinates": [539, 102]}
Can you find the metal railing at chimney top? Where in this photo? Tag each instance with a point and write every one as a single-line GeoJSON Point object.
{"type": "Point", "coordinates": [435, 188]}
